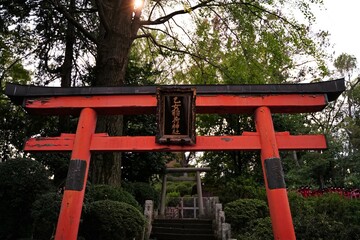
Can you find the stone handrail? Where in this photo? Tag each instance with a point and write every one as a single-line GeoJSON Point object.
{"type": "Point", "coordinates": [213, 210]}
{"type": "Point", "coordinates": [223, 229]}
{"type": "Point", "coordinates": [148, 212]}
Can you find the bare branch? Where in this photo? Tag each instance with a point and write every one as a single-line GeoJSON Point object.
{"type": "Point", "coordinates": [153, 9]}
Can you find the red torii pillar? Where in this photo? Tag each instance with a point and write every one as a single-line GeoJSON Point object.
{"type": "Point", "coordinates": [259, 99]}
{"type": "Point", "coordinates": [276, 193]}
{"type": "Point", "coordinates": [71, 205]}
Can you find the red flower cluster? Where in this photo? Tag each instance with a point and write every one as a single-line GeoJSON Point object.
{"type": "Point", "coordinates": [352, 193]}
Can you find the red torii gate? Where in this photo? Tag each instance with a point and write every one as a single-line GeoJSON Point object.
{"type": "Point", "coordinates": [262, 100]}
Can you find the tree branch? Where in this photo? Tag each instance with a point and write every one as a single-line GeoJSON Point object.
{"type": "Point", "coordinates": [161, 46]}
{"type": "Point", "coordinates": [102, 15]}
{"type": "Point", "coordinates": [271, 13]}
{"type": "Point", "coordinates": [60, 8]}
{"type": "Point", "coordinates": [166, 18]}
{"type": "Point", "coordinates": [136, 20]}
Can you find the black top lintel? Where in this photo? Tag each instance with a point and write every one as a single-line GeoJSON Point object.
{"type": "Point", "coordinates": [17, 93]}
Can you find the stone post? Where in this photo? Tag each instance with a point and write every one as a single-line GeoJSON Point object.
{"type": "Point", "coordinates": [226, 231]}
{"type": "Point", "coordinates": [163, 197]}
{"type": "Point", "coordinates": [218, 209]}
{"type": "Point", "coordinates": [199, 193]}
{"type": "Point", "coordinates": [148, 212]}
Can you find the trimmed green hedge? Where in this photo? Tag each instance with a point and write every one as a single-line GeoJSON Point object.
{"type": "Point", "coordinates": [107, 192]}
{"type": "Point", "coordinates": [330, 217]}
{"type": "Point", "coordinates": [45, 212]}
{"type": "Point", "coordinates": [241, 212]}
{"type": "Point", "coordinates": [249, 219]}
{"type": "Point", "coordinates": [112, 220]}
{"type": "Point", "coordinates": [258, 229]}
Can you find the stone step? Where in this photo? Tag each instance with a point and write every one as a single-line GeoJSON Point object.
{"type": "Point", "coordinates": [183, 236]}
{"type": "Point", "coordinates": [182, 229]}
{"type": "Point", "coordinates": [183, 224]}
{"type": "Point", "coordinates": [178, 230]}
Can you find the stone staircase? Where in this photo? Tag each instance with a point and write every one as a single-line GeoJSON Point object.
{"type": "Point", "coordinates": [182, 229]}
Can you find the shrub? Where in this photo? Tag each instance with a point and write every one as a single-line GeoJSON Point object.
{"type": "Point", "coordinates": [107, 192]}
{"type": "Point", "coordinates": [352, 213]}
{"type": "Point", "coordinates": [318, 226]}
{"type": "Point", "coordinates": [327, 217]}
{"type": "Point", "coordinates": [142, 192]}
{"type": "Point", "coordinates": [331, 204]}
{"type": "Point", "coordinates": [173, 199]}
{"type": "Point", "coordinates": [184, 188]}
{"type": "Point", "coordinates": [241, 212]}
{"type": "Point", "coordinates": [112, 220]}
{"type": "Point", "coordinates": [238, 188]}
{"type": "Point", "coordinates": [21, 181]}
{"type": "Point", "coordinates": [341, 216]}
{"type": "Point", "coordinates": [258, 229]}
{"type": "Point", "coordinates": [299, 205]}
{"type": "Point", "coordinates": [45, 212]}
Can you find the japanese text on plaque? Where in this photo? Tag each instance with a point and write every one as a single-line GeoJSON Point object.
{"type": "Point", "coordinates": [175, 112]}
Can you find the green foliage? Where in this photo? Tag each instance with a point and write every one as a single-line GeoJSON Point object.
{"type": "Point", "coordinates": [173, 199]}
{"type": "Point", "coordinates": [141, 167]}
{"type": "Point", "coordinates": [107, 192]}
{"type": "Point", "coordinates": [45, 212]}
{"type": "Point", "coordinates": [327, 217]}
{"type": "Point", "coordinates": [21, 182]}
{"type": "Point", "coordinates": [293, 123]}
{"type": "Point", "coordinates": [234, 188]}
{"type": "Point", "coordinates": [112, 220]}
{"type": "Point", "coordinates": [258, 229]}
{"type": "Point", "coordinates": [241, 212]}
{"type": "Point", "coordinates": [12, 118]}
{"type": "Point", "coordinates": [142, 192]}
{"type": "Point", "coordinates": [338, 208]}
{"type": "Point", "coordinates": [183, 188]}
{"type": "Point", "coordinates": [320, 169]}
{"type": "Point", "coordinates": [353, 124]}
{"type": "Point", "coordinates": [345, 63]}
{"type": "Point", "coordinates": [173, 195]}
{"type": "Point", "coordinates": [57, 163]}
{"type": "Point", "coordinates": [299, 205]}
{"type": "Point", "coordinates": [259, 47]}
{"type": "Point", "coordinates": [318, 226]}
{"type": "Point", "coordinates": [12, 125]}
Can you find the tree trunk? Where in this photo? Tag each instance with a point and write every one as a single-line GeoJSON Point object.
{"type": "Point", "coordinates": [116, 35]}
{"type": "Point", "coordinates": [66, 67]}
{"type": "Point", "coordinates": [296, 159]}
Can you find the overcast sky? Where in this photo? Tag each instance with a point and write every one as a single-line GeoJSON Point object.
{"type": "Point", "coordinates": [341, 19]}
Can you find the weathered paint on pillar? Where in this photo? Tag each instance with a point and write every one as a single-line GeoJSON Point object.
{"type": "Point", "coordinates": [200, 196]}
{"type": "Point", "coordinates": [71, 206]}
{"type": "Point", "coordinates": [280, 213]}
{"type": "Point", "coordinates": [163, 197]}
